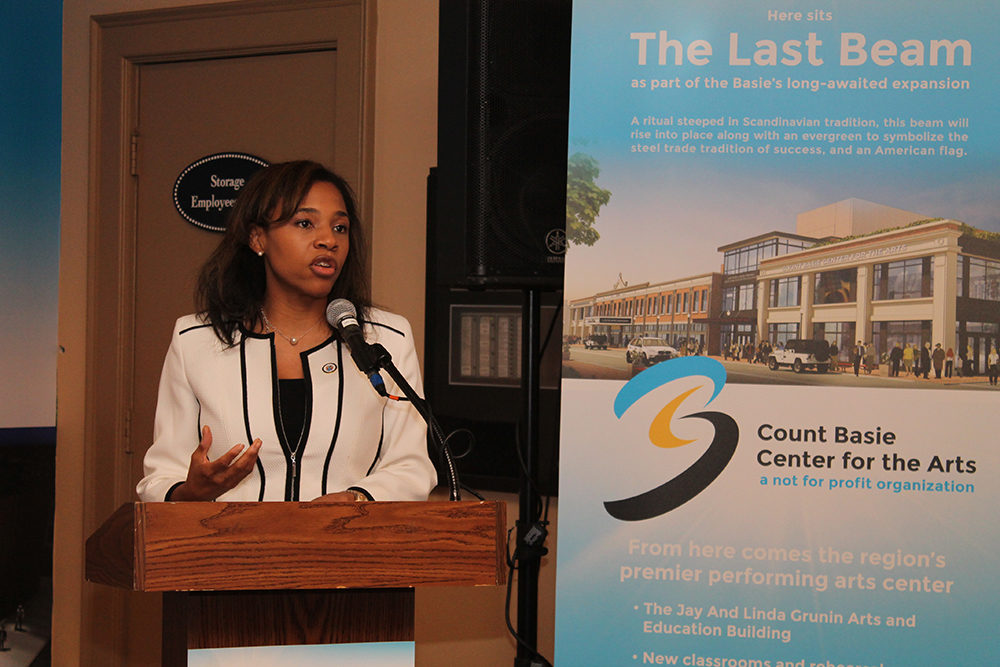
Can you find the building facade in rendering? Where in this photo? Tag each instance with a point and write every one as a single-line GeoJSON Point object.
{"type": "Point", "coordinates": [853, 271]}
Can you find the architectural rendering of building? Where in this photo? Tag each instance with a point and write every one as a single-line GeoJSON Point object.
{"type": "Point", "coordinates": [854, 271]}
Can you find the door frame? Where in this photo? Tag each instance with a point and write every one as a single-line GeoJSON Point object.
{"type": "Point", "coordinates": [120, 44]}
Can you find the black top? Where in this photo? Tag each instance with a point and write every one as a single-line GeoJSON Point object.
{"type": "Point", "coordinates": [293, 409]}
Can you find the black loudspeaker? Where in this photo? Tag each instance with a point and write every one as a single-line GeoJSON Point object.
{"type": "Point", "coordinates": [503, 118]}
{"type": "Point", "coordinates": [490, 411]}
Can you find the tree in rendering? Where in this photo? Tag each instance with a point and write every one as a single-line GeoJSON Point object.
{"type": "Point", "coordinates": [584, 199]}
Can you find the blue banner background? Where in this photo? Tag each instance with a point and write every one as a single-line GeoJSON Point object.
{"type": "Point", "coordinates": [668, 215]}
{"type": "Point", "coordinates": [30, 134]}
{"type": "Point", "coordinates": [687, 205]}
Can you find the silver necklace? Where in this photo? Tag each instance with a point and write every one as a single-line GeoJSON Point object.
{"type": "Point", "coordinates": [292, 341]}
{"type": "Point", "coordinates": [293, 454]}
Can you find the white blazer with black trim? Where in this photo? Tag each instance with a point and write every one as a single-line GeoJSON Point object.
{"type": "Point", "coordinates": [352, 437]}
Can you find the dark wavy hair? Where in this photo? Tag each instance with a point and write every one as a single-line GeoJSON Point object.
{"type": "Point", "coordinates": [232, 283]}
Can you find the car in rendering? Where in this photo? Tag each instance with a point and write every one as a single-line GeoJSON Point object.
{"type": "Point", "coordinates": [801, 355]}
{"type": "Point", "coordinates": [596, 342]}
{"type": "Point", "coordinates": [647, 351]}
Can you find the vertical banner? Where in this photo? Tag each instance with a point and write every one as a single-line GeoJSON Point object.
{"type": "Point", "coordinates": [30, 134]}
{"type": "Point", "coordinates": [783, 302]}
{"type": "Point", "coordinates": [30, 109]}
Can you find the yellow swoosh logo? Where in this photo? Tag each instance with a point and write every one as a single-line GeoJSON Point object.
{"type": "Point", "coordinates": [659, 431]}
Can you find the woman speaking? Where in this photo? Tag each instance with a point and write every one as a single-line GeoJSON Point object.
{"type": "Point", "coordinates": [259, 398]}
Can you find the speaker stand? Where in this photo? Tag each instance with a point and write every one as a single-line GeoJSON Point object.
{"type": "Point", "coordinates": [531, 531]}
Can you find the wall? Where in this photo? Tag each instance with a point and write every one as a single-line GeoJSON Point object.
{"type": "Point", "coordinates": [405, 150]}
{"type": "Point", "coordinates": [850, 217]}
{"type": "Point", "coordinates": [453, 626]}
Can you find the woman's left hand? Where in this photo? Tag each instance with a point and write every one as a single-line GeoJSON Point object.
{"type": "Point", "coordinates": [339, 497]}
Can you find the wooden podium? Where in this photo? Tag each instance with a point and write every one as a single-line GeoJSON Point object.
{"type": "Point", "coordinates": [264, 574]}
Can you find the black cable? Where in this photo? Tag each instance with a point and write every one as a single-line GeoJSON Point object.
{"type": "Point", "coordinates": [440, 442]}
{"type": "Point", "coordinates": [468, 450]}
{"type": "Point", "coordinates": [511, 564]}
{"type": "Point", "coordinates": [472, 441]}
{"type": "Point", "coordinates": [445, 457]}
{"type": "Point", "coordinates": [472, 491]}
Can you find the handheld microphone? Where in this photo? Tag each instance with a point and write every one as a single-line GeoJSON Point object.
{"type": "Point", "coordinates": [342, 316]}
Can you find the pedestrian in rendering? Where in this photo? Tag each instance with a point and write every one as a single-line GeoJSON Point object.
{"type": "Point", "coordinates": [895, 358]}
{"type": "Point", "coordinates": [834, 357]}
{"type": "Point", "coordinates": [869, 357]}
{"type": "Point", "coordinates": [19, 622]}
{"type": "Point", "coordinates": [970, 356]}
{"type": "Point", "coordinates": [992, 362]}
{"type": "Point", "coordinates": [937, 357]}
{"type": "Point", "coordinates": [925, 361]}
{"type": "Point", "coordinates": [949, 362]}
{"type": "Point", "coordinates": [859, 354]}
{"type": "Point", "coordinates": [908, 358]}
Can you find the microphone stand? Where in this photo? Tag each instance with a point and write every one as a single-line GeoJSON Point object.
{"type": "Point", "coordinates": [383, 361]}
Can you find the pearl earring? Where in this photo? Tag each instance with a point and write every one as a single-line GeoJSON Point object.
{"type": "Point", "coordinates": [260, 253]}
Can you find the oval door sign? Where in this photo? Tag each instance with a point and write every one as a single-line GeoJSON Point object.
{"type": "Point", "coordinates": [206, 191]}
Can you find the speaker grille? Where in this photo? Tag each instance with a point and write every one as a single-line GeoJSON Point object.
{"type": "Point", "coordinates": [516, 144]}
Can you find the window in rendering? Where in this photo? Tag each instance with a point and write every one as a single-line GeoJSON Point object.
{"type": "Point", "coordinates": [905, 279]}
{"type": "Point", "coordinates": [785, 292]}
{"type": "Point", "coordinates": [836, 286]}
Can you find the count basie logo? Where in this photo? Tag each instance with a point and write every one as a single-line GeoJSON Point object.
{"type": "Point", "coordinates": [701, 473]}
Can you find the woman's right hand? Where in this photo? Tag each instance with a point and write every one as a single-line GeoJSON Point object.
{"type": "Point", "coordinates": [207, 480]}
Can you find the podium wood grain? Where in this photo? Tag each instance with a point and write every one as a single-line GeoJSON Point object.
{"type": "Point", "coordinates": [283, 546]}
{"type": "Point", "coordinates": [268, 618]}
{"type": "Point", "coordinates": [264, 574]}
